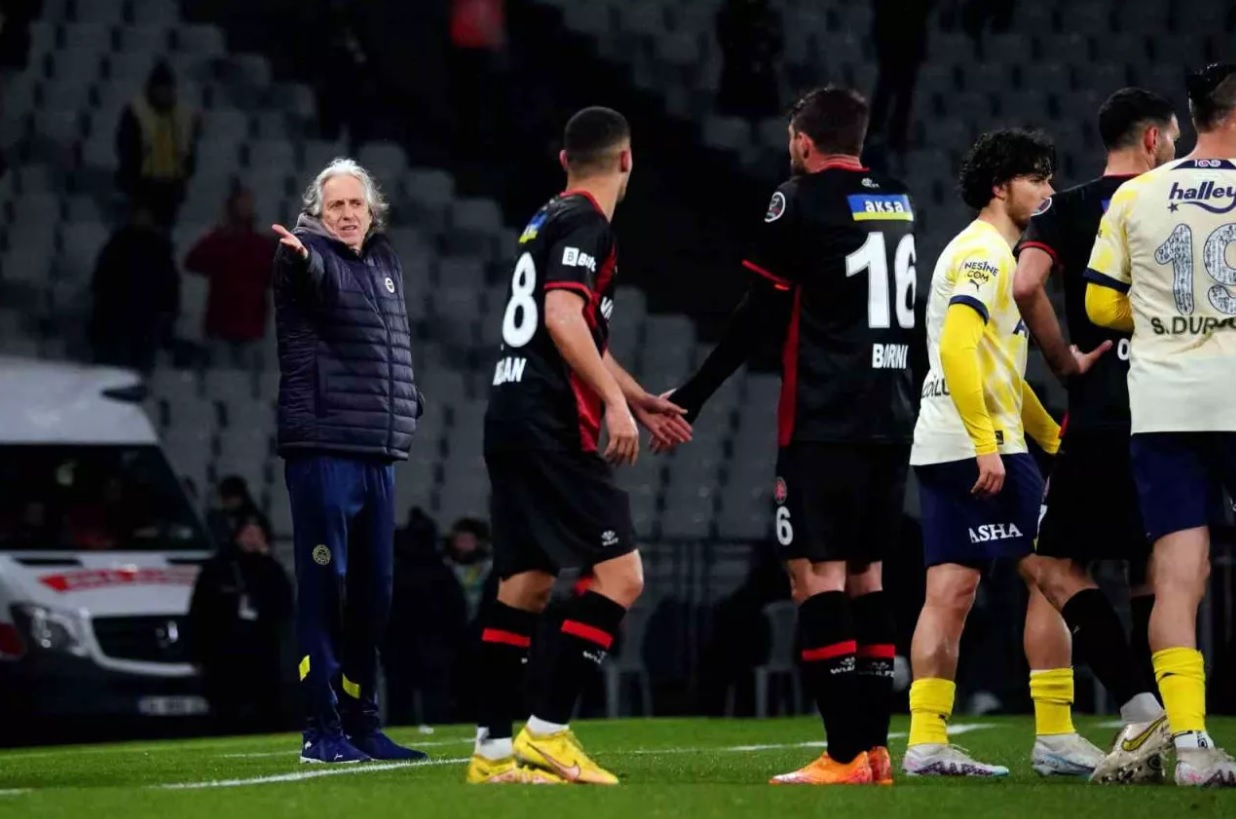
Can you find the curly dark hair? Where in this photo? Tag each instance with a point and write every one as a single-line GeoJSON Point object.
{"type": "Point", "coordinates": [1002, 156]}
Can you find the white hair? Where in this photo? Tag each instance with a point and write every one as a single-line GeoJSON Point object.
{"type": "Point", "coordinates": [343, 166]}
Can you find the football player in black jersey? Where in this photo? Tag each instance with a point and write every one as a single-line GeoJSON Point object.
{"type": "Point", "coordinates": [833, 267]}
{"type": "Point", "coordinates": [1091, 508]}
{"type": "Point", "coordinates": [554, 502]}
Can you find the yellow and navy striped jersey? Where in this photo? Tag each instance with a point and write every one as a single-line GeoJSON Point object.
{"type": "Point", "coordinates": [975, 269]}
{"type": "Point", "coordinates": [1165, 240]}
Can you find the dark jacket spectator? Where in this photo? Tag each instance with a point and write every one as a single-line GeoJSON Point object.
{"type": "Point", "coordinates": [238, 621]}
{"type": "Point", "coordinates": [232, 503]}
{"type": "Point", "coordinates": [236, 260]}
{"type": "Point", "coordinates": [750, 35]}
{"type": "Point", "coordinates": [136, 292]}
{"type": "Point", "coordinates": [469, 556]}
{"type": "Point", "coordinates": [345, 351]}
{"type": "Point", "coordinates": [427, 627]}
{"type": "Point", "coordinates": [154, 146]}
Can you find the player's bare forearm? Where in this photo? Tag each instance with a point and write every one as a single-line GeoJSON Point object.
{"type": "Point", "coordinates": [631, 388]}
{"type": "Point", "coordinates": [1039, 424]}
{"type": "Point", "coordinates": [564, 319]}
{"type": "Point", "coordinates": [963, 374]}
{"type": "Point", "coordinates": [1030, 291]}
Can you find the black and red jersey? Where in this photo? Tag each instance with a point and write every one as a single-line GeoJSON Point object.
{"type": "Point", "coordinates": [536, 401]}
{"type": "Point", "coordinates": [842, 241]}
{"type": "Point", "coordinates": [1065, 227]}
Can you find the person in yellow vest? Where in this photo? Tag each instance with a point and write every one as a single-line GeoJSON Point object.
{"type": "Point", "coordinates": [154, 145]}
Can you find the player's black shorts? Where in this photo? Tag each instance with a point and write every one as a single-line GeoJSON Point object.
{"type": "Point", "coordinates": [1090, 511]}
{"type": "Point", "coordinates": [555, 509]}
{"type": "Point", "coordinates": [837, 501]}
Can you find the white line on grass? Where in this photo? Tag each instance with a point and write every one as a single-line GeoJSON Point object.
{"type": "Point", "coordinates": [360, 768]}
{"type": "Point", "coordinates": [953, 731]}
{"type": "Point", "coordinates": [374, 767]}
{"type": "Point", "coordinates": [13, 791]}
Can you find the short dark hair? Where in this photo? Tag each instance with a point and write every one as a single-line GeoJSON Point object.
{"type": "Point", "coordinates": [1001, 156]}
{"type": "Point", "coordinates": [1126, 114]}
{"type": "Point", "coordinates": [234, 486]}
{"type": "Point", "coordinates": [591, 136]}
{"type": "Point", "coordinates": [1212, 94]}
{"type": "Point", "coordinates": [835, 119]}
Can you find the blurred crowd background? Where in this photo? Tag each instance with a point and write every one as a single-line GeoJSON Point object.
{"type": "Point", "coordinates": [147, 145]}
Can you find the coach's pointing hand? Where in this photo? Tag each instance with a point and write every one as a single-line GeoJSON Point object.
{"type": "Point", "coordinates": [623, 434]}
{"type": "Point", "coordinates": [288, 240]}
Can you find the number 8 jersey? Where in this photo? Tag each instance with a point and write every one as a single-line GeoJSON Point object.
{"type": "Point", "coordinates": [536, 401]}
{"type": "Point", "coordinates": [1166, 241]}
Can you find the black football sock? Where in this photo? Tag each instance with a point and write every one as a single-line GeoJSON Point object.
{"type": "Point", "coordinates": [875, 634]}
{"type": "Point", "coordinates": [1099, 639]}
{"type": "Point", "coordinates": [588, 631]}
{"type": "Point", "coordinates": [826, 635]}
{"type": "Point", "coordinates": [506, 634]}
{"type": "Point", "coordinates": [1139, 638]}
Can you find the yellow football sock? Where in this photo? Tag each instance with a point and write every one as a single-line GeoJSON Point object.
{"type": "Point", "coordinates": [1181, 675]}
{"type": "Point", "coordinates": [931, 705]}
{"type": "Point", "coordinates": [1052, 692]}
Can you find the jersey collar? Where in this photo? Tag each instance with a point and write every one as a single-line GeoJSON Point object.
{"type": "Point", "coordinates": [844, 165]}
{"type": "Point", "coordinates": [586, 195]}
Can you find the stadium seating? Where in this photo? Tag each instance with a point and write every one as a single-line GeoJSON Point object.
{"type": "Point", "coordinates": [57, 128]}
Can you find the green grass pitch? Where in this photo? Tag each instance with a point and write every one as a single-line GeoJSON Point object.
{"type": "Point", "coordinates": [670, 768]}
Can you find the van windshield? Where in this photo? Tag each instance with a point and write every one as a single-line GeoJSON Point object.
{"type": "Point", "coordinates": [94, 499]}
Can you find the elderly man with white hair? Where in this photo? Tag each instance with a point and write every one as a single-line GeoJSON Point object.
{"type": "Point", "coordinates": [348, 406]}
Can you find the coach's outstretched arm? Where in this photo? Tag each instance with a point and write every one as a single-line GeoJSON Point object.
{"type": "Point", "coordinates": [963, 374]}
{"type": "Point", "coordinates": [297, 265]}
{"type": "Point", "coordinates": [763, 312]}
{"type": "Point", "coordinates": [564, 319]}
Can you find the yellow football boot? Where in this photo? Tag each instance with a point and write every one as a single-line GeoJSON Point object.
{"type": "Point", "coordinates": [560, 753]}
{"type": "Point", "coordinates": [482, 771]}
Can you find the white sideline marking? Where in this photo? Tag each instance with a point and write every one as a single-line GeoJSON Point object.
{"type": "Point", "coordinates": [14, 791]}
{"type": "Point", "coordinates": [1112, 723]}
{"type": "Point", "coordinates": [375, 767]}
{"type": "Point", "coordinates": [293, 752]}
{"type": "Point", "coordinates": [358, 768]}
{"type": "Point", "coordinates": [953, 731]}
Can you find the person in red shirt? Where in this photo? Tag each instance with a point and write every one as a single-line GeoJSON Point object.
{"type": "Point", "coordinates": [236, 259]}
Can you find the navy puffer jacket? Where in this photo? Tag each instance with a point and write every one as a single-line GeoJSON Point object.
{"type": "Point", "coordinates": [345, 354]}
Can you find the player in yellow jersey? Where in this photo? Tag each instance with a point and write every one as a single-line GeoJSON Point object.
{"type": "Point", "coordinates": [979, 485]}
{"type": "Point", "coordinates": [1162, 267]}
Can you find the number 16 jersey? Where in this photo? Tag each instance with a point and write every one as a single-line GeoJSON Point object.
{"type": "Point", "coordinates": [841, 242]}
{"type": "Point", "coordinates": [1166, 241]}
{"type": "Point", "coordinates": [536, 401]}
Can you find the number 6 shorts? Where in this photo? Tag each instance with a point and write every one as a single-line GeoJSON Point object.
{"type": "Point", "coordinates": [839, 501]}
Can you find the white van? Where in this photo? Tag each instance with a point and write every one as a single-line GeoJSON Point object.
{"type": "Point", "coordinates": [99, 550]}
